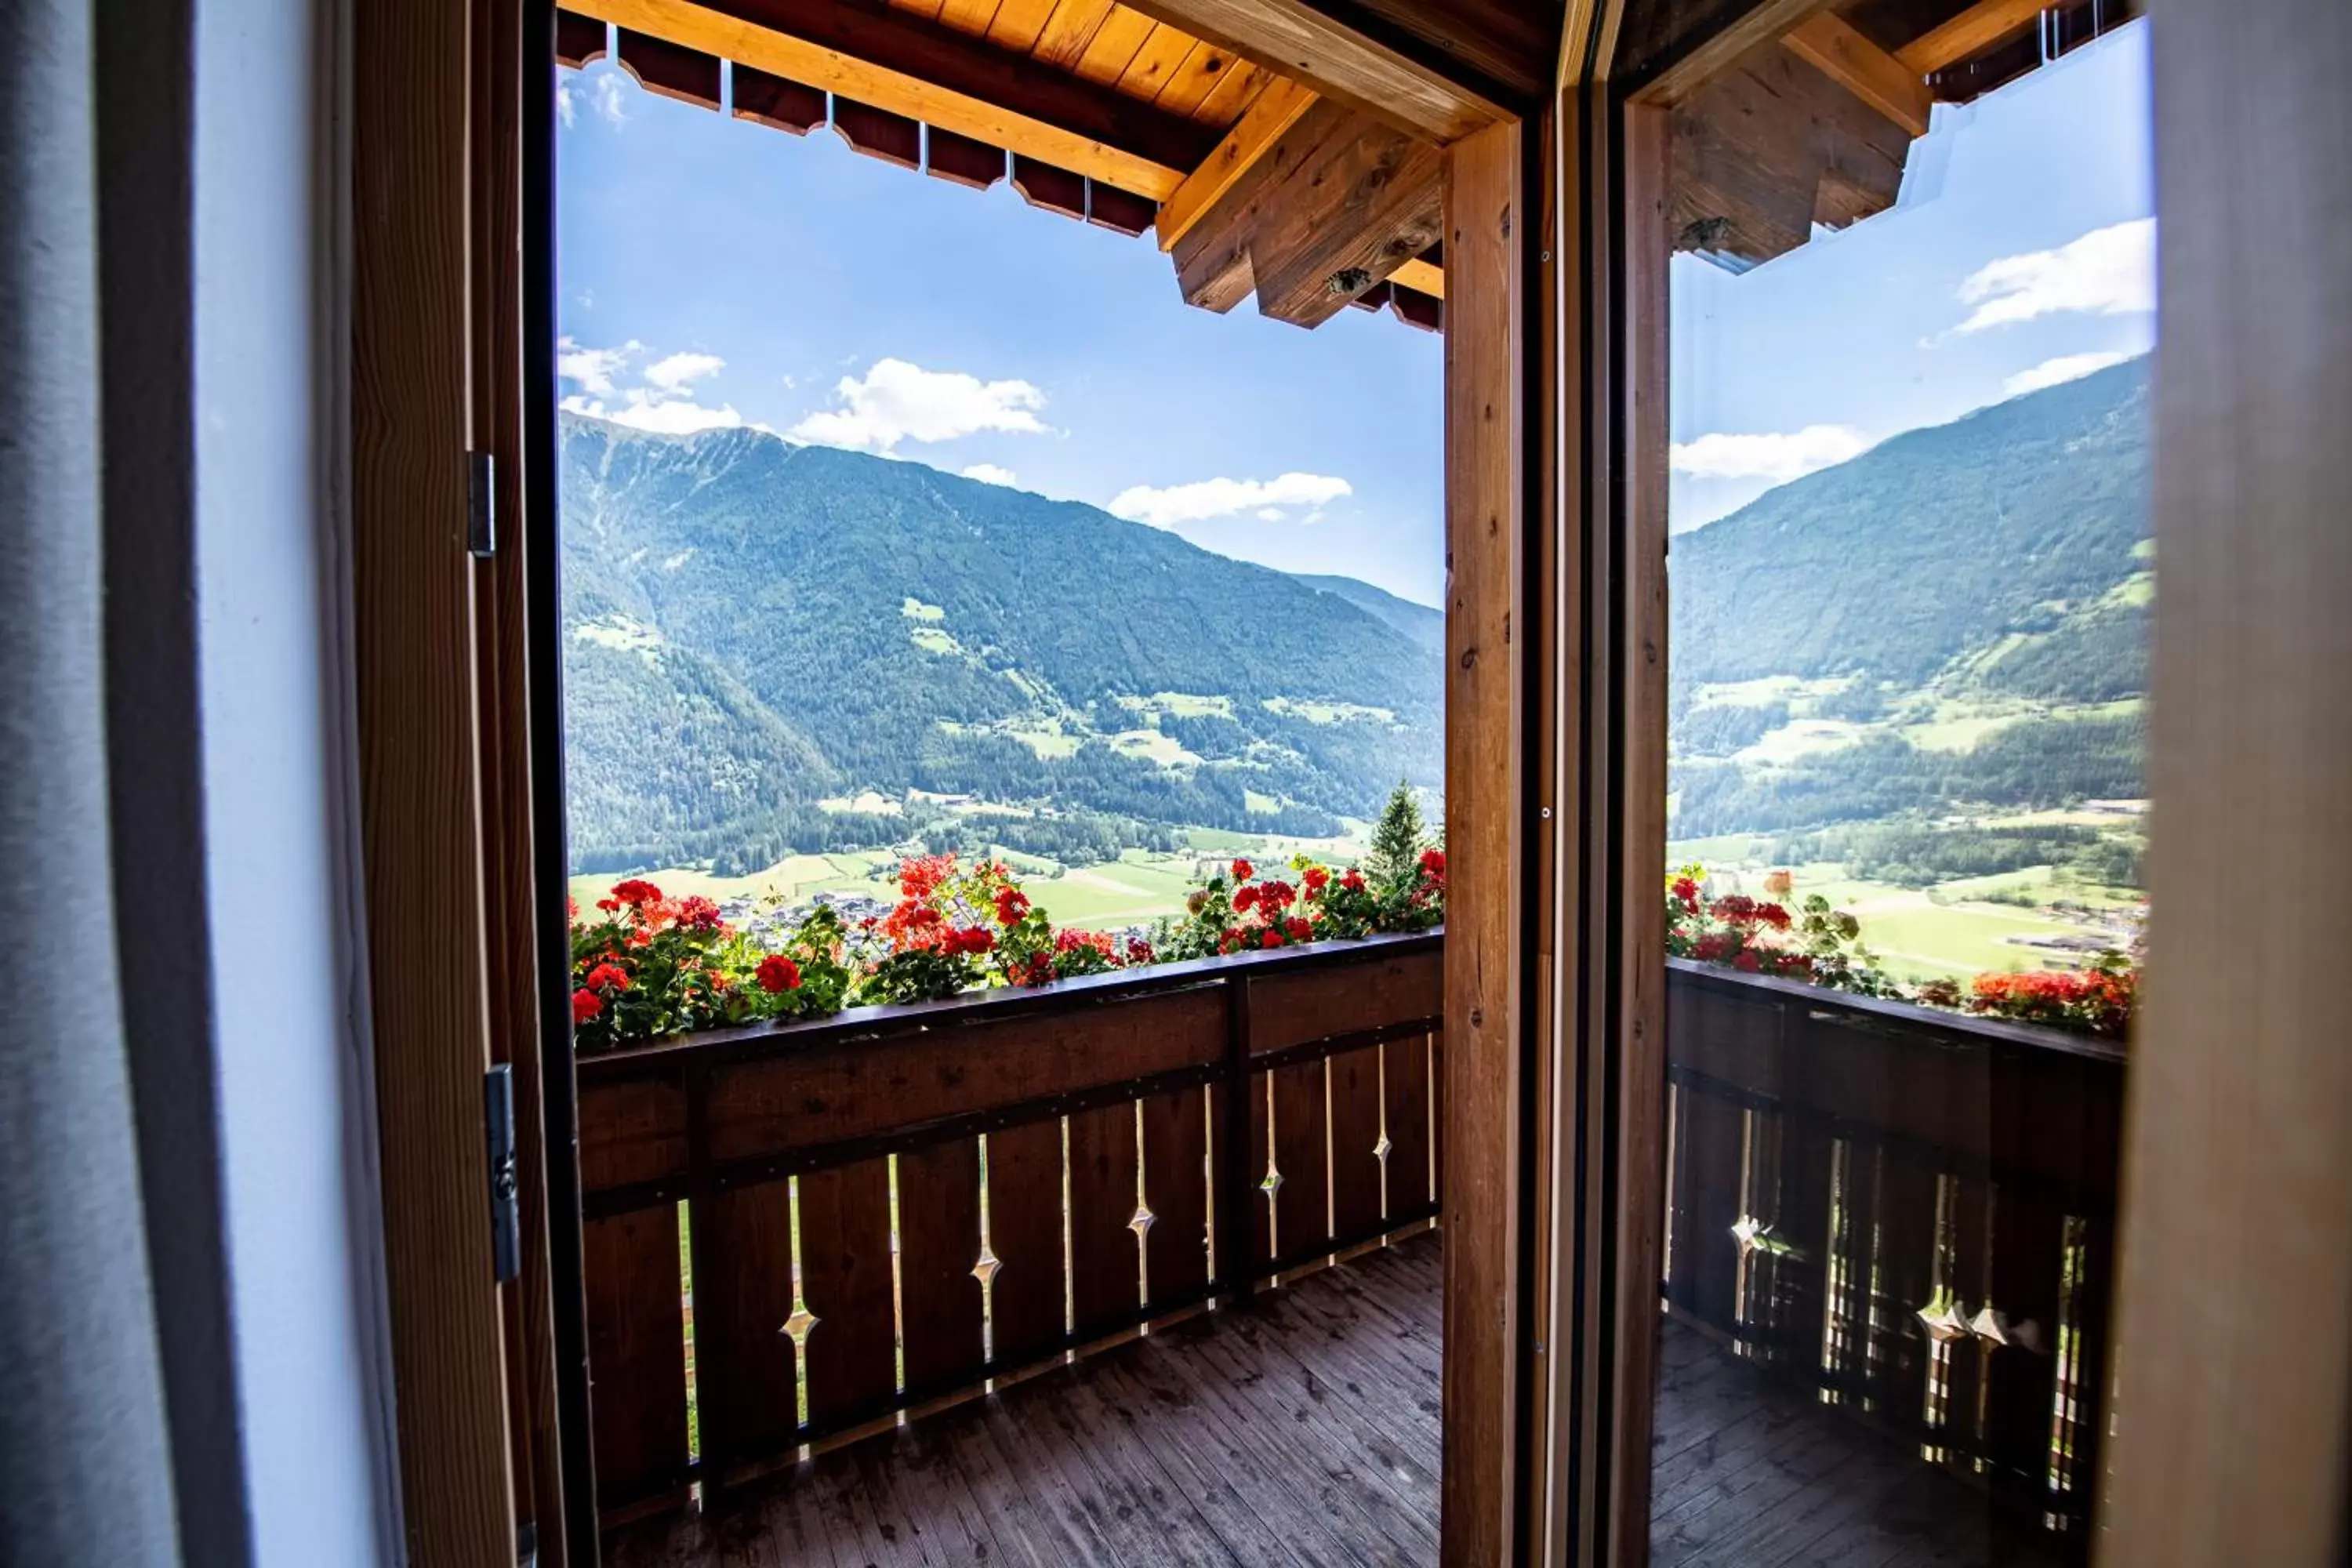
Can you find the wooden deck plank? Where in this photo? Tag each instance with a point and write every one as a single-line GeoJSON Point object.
{"type": "Point", "coordinates": [1155, 1521]}
{"type": "Point", "coordinates": [1302, 1430]}
{"type": "Point", "coordinates": [1254, 1535]}
{"type": "Point", "coordinates": [1256, 1446]}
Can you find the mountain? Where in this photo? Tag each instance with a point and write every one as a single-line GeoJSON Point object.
{"type": "Point", "coordinates": [1957, 617]}
{"type": "Point", "coordinates": [1934, 545]}
{"type": "Point", "coordinates": [772, 647]}
{"type": "Point", "coordinates": [1420, 621]}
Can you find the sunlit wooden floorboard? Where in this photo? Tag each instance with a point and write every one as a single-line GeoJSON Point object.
{"type": "Point", "coordinates": [1305, 1430]}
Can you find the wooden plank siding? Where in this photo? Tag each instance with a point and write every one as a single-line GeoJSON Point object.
{"type": "Point", "coordinates": [891, 1206]}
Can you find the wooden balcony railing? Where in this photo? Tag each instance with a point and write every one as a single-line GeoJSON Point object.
{"type": "Point", "coordinates": [1912, 1211]}
{"type": "Point", "coordinates": [891, 1206]}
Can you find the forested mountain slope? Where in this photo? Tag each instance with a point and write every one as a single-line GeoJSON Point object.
{"type": "Point", "coordinates": [1955, 618]}
{"type": "Point", "coordinates": [768, 646]}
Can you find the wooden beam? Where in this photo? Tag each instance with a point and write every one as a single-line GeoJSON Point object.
{"type": "Point", "coordinates": [1296, 39]}
{"type": "Point", "coordinates": [1768, 148]}
{"type": "Point", "coordinates": [1373, 204]}
{"type": "Point", "coordinates": [1830, 44]}
{"type": "Point", "coordinates": [923, 71]}
{"type": "Point", "coordinates": [1766, 22]}
{"type": "Point", "coordinates": [1277, 109]}
{"type": "Point", "coordinates": [1333, 207]}
{"type": "Point", "coordinates": [1214, 266]}
{"type": "Point", "coordinates": [1486, 697]}
{"type": "Point", "coordinates": [1423, 277]}
{"type": "Point", "coordinates": [1513, 44]}
{"type": "Point", "coordinates": [1978, 28]}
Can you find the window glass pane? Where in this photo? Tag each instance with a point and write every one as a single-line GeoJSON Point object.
{"type": "Point", "coordinates": [1911, 577]}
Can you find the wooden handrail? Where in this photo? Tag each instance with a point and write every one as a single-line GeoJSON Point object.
{"type": "Point", "coordinates": [878, 1023]}
{"type": "Point", "coordinates": [1908, 1017]}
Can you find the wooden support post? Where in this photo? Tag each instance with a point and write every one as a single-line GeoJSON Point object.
{"type": "Point", "coordinates": [1486, 564]}
{"type": "Point", "coordinates": [1240, 1163]}
{"type": "Point", "coordinates": [1636, 1040]}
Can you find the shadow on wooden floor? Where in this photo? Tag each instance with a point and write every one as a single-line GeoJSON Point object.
{"type": "Point", "coordinates": [1305, 1430]}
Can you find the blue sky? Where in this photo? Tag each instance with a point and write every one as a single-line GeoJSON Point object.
{"type": "Point", "coordinates": [718, 272]}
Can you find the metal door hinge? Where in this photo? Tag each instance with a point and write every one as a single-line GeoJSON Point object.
{"type": "Point", "coordinates": [481, 506]}
{"type": "Point", "coordinates": [506, 1207]}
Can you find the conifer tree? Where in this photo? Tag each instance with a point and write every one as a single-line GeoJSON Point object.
{"type": "Point", "coordinates": [1398, 839]}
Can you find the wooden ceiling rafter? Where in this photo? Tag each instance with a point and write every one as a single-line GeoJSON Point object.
{"type": "Point", "coordinates": [1299, 39]}
{"type": "Point", "coordinates": [1973, 31]}
{"type": "Point", "coordinates": [1721, 49]}
{"type": "Point", "coordinates": [668, 69]}
{"type": "Point", "coordinates": [920, 70]}
{"type": "Point", "coordinates": [1330, 209]}
{"type": "Point", "coordinates": [1831, 45]}
{"type": "Point", "coordinates": [1368, 217]}
{"type": "Point", "coordinates": [1277, 109]}
{"type": "Point", "coordinates": [579, 39]}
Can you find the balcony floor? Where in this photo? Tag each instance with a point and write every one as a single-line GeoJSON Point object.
{"type": "Point", "coordinates": [1305, 1431]}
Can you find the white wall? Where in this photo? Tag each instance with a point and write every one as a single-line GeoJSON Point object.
{"type": "Point", "coordinates": [297, 1116]}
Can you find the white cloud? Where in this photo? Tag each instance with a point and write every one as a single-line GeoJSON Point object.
{"type": "Point", "coordinates": [1206, 499]}
{"type": "Point", "coordinates": [640, 410]}
{"type": "Point", "coordinates": [594, 369]}
{"type": "Point", "coordinates": [992, 474]}
{"type": "Point", "coordinates": [676, 372]}
{"type": "Point", "coordinates": [2109, 271]}
{"type": "Point", "coordinates": [2054, 371]}
{"type": "Point", "coordinates": [899, 401]}
{"type": "Point", "coordinates": [605, 96]}
{"type": "Point", "coordinates": [565, 109]}
{"type": "Point", "coordinates": [1778, 457]}
{"type": "Point", "coordinates": [663, 402]}
{"type": "Point", "coordinates": [1271, 514]}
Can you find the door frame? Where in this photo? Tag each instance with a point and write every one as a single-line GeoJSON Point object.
{"type": "Point", "coordinates": [1551, 1026]}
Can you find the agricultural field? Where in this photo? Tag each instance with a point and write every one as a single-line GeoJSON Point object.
{"type": "Point", "coordinates": [2028, 918]}
{"type": "Point", "coordinates": [1134, 890]}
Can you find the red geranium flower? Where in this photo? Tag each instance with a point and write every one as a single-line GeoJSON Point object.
{"type": "Point", "coordinates": [1298, 929]}
{"type": "Point", "coordinates": [585, 1005]}
{"type": "Point", "coordinates": [1434, 862]}
{"type": "Point", "coordinates": [608, 977]}
{"type": "Point", "coordinates": [1353, 881]}
{"type": "Point", "coordinates": [920, 874]}
{"type": "Point", "coordinates": [1011, 905]}
{"type": "Point", "coordinates": [1316, 878]}
{"type": "Point", "coordinates": [1271, 939]}
{"type": "Point", "coordinates": [1244, 898]}
{"type": "Point", "coordinates": [1243, 870]}
{"type": "Point", "coordinates": [777, 974]}
{"type": "Point", "coordinates": [697, 914]}
{"type": "Point", "coordinates": [634, 891]}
